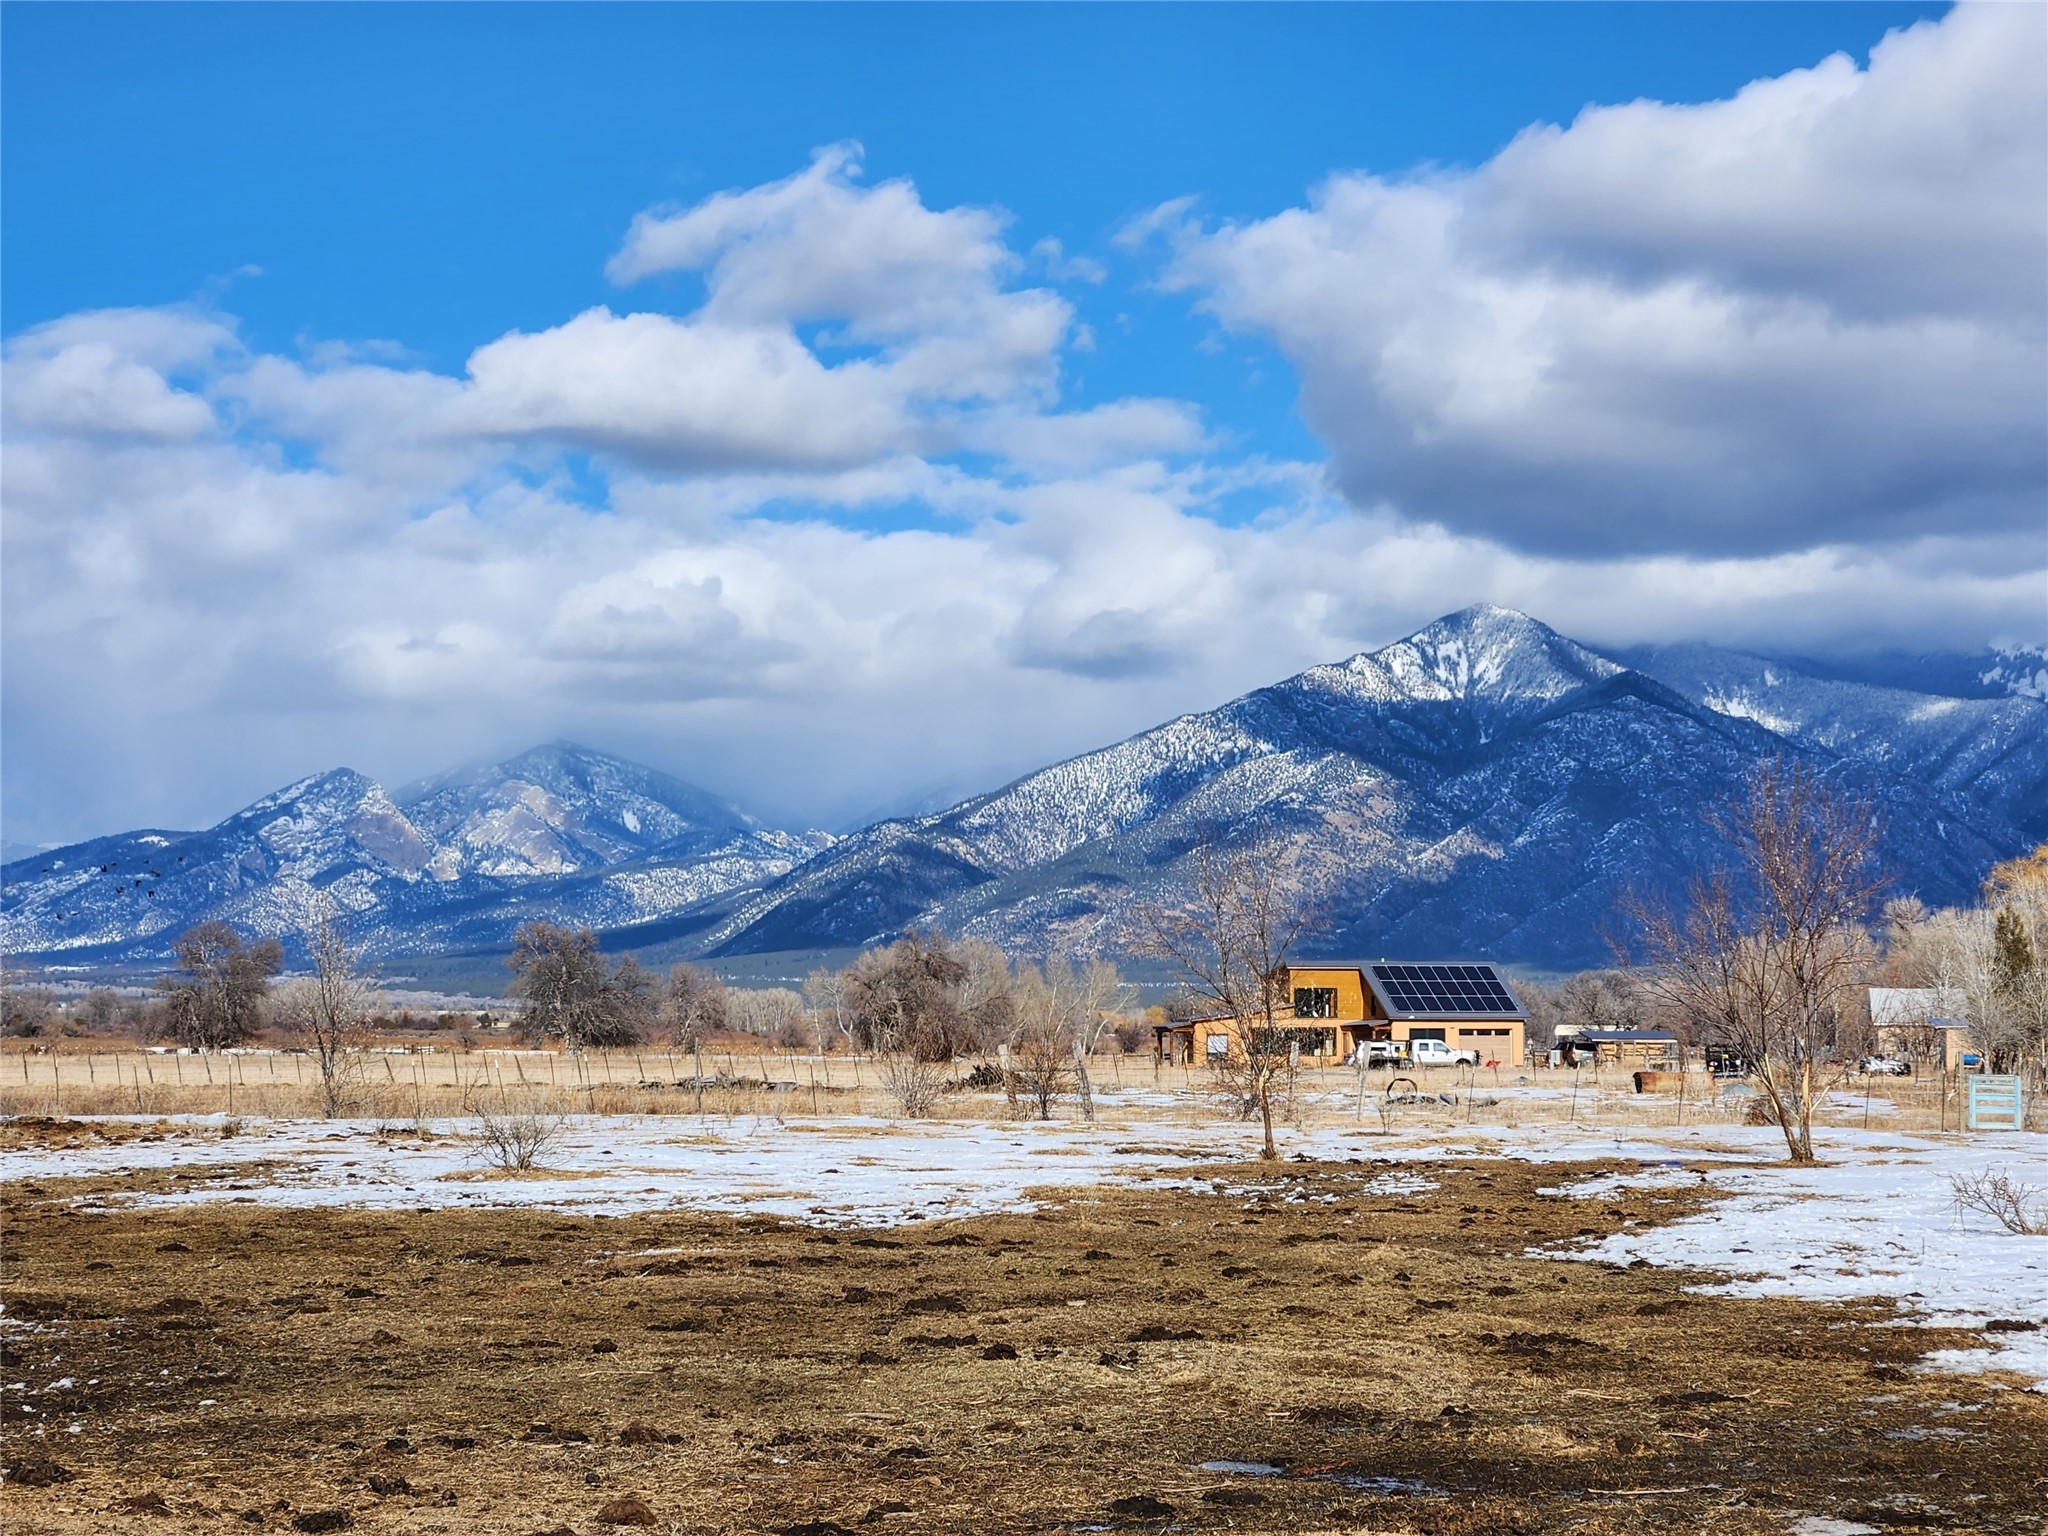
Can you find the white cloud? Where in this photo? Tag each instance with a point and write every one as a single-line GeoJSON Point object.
{"type": "Point", "coordinates": [1811, 314]}
{"type": "Point", "coordinates": [103, 374]}
{"type": "Point", "coordinates": [926, 286]}
{"type": "Point", "coordinates": [841, 326]}
{"type": "Point", "coordinates": [1115, 433]}
{"type": "Point", "coordinates": [687, 394]}
{"type": "Point", "coordinates": [797, 579]}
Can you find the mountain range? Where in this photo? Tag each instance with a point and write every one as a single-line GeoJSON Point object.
{"type": "Point", "coordinates": [1484, 787]}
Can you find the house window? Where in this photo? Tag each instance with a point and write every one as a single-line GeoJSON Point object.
{"type": "Point", "coordinates": [1219, 1045]}
{"type": "Point", "coordinates": [1315, 1002]}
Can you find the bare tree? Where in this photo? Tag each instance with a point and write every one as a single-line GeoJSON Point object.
{"type": "Point", "coordinates": [825, 997]}
{"type": "Point", "coordinates": [25, 1011]}
{"type": "Point", "coordinates": [329, 1008]}
{"type": "Point", "coordinates": [988, 1002]}
{"type": "Point", "coordinates": [2019, 890]}
{"type": "Point", "coordinates": [1766, 958]}
{"type": "Point", "coordinates": [774, 1014]}
{"type": "Point", "coordinates": [905, 1005]}
{"type": "Point", "coordinates": [1231, 937]}
{"type": "Point", "coordinates": [1603, 999]}
{"type": "Point", "coordinates": [1059, 1015]}
{"type": "Point", "coordinates": [1041, 1043]}
{"type": "Point", "coordinates": [570, 992]}
{"type": "Point", "coordinates": [694, 1005]}
{"type": "Point", "coordinates": [215, 998]}
{"type": "Point", "coordinates": [102, 1008]}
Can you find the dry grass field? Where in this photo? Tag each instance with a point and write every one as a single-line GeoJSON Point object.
{"type": "Point", "coordinates": [1342, 1357]}
{"type": "Point", "coordinates": [85, 1078]}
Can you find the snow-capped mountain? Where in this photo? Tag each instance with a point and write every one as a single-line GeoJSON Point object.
{"type": "Point", "coordinates": [1484, 786]}
{"type": "Point", "coordinates": [561, 809]}
{"type": "Point", "coordinates": [559, 832]}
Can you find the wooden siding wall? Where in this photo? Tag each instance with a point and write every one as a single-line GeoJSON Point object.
{"type": "Point", "coordinates": [1353, 1001]}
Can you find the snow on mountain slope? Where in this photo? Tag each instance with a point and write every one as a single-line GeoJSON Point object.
{"type": "Point", "coordinates": [558, 832]}
{"type": "Point", "coordinates": [336, 833]}
{"type": "Point", "coordinates": [1485, 783]}
{"type": "Point", "coordinates": [1986, 754]}
{"type": "Point", "coordinates": [560, 809]}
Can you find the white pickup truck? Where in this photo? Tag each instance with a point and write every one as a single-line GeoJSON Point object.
{"type": "Point", "coordinates": [1411, 1053]}
{"type": "Point", "coordinates": [1434, 1053]}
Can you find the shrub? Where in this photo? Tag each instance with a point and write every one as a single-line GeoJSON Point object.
{"type": "Point", "coordinates": [2019, 1208]}
{"type": "Point", "coordinates": [512, 1134]}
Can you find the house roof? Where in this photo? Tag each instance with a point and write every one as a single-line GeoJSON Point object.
{"type": "Point", "coordinates": [1437, 989]}
{"type": "Point", "coordinates": [1894, 1006]}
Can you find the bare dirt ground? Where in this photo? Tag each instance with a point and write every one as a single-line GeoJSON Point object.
{"type": "Point", "coordinates": [1344, 1358]}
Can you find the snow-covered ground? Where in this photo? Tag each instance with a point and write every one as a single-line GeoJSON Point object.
{"type": "Point", "coordinates": [857, 1172]}
{"type": "Point", "coordinates": [1877, 1219]}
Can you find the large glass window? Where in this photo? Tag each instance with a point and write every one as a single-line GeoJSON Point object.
{"type": "Point", "coordinates": [1315, 1002]}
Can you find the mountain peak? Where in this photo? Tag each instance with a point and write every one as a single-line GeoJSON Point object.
{"type": "Point", "coordinates": [1500, 663]}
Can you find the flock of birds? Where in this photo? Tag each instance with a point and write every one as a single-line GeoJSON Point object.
{"type": "Point", "coordinates": [135, 881]}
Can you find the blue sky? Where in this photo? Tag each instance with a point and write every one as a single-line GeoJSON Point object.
{"type": "Point", "coordinates": [969, 385]}
{"type": "Point", "coordinates": [438, 175]}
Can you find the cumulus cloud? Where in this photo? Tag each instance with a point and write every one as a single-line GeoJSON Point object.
{"type": "Point", "coordinates": [926, 286]}
{"type": "Point", "coordinates": [841, 538]}
{"type": "Point", "coordinates": [106, 374]}
{"type": "Point", "coordinates": [1811, 314]}
{"type": "Point", "coordinates": [840, 326]}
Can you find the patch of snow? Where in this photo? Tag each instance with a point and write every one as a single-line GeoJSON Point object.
{"type": "Point", "coordinates": [1877, 1219]}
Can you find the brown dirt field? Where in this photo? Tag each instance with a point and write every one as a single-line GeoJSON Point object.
{"type": "Point", "coordinates": [521, 1372]}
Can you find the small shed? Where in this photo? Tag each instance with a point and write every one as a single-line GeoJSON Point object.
{"type": "Point", "coordinates": [1654, 1049]}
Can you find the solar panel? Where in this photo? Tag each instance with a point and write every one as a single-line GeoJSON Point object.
{"type": "Point", "coordinates": [1452, 989]}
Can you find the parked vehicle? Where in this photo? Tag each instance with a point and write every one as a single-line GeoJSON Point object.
{"type": "Point", "coordinates": [1381, 1053]}
{"type": "Point", "coordinates": [1434, 1053]}
{"type": "Point", "coordinates": [1883, 1066]}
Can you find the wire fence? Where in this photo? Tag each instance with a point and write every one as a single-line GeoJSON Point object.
{"type": "Point", "coordinates": [425, 1085]}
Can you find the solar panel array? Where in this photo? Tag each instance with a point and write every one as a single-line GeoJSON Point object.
{"type": "Point", "coordinates": [1456, 989]}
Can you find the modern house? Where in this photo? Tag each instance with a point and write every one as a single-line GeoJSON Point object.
{"type": "Point", "coordinates": [1337, 1006]}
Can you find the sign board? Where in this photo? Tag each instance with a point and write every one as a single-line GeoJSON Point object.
{"type": "Point", "coordinates": [1994, 1104]}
